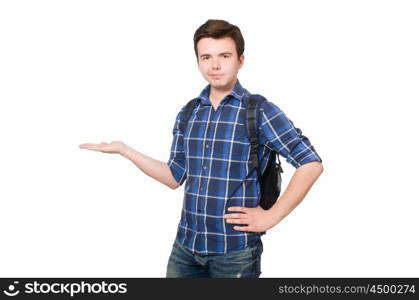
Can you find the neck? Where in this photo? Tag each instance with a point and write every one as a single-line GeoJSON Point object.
{"type": "Point", "coordinates": [217, 94]}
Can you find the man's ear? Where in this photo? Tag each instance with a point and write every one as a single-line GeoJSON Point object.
{"type": "Point", "coordinates": [241, 59]}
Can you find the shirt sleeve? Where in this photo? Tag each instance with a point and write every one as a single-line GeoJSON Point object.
{"type": "Point", "coordinates": [177, 162]}
{"type": "Point", "coordinates": [279, 133]}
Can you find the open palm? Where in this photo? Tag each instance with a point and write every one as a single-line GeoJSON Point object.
{"type": "Point", "coordinates": [114, 147]}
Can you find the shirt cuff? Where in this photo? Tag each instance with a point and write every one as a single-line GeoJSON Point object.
{"type": "Point", "coordinates": [178, 172]}
{"type": "Point", "coordinates": [312, 157]}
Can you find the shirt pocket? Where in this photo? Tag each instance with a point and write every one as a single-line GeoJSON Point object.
{"type": "Point", "coordinates": [231, 142]}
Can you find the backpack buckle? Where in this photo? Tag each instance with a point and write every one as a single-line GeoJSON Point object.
{"type": "Point", "coordinates": [254, 142]}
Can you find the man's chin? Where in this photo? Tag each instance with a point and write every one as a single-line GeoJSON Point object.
{"type": "Point", "coordinates": [219, 84]}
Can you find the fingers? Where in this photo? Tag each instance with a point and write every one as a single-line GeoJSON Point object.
{"type": "Point", "coordinates": [86, 145]}
{"type": "Point", "coordinates": [93, 146]}
{"type": "Point", "coordinates": [237, 221]}
{"type": "Point", "coordinates": [113, 147]}
{"type": "Point", "coordinates": [90, 146]}
{"type": "Point", "coordinates": [233, 216]}
{"type": "Point", "coordinates": [236, 218]}
{"type": "Point", "coordinates": [243, 228]}
{"type": "Point", "coordinates": [237, 208]}
{"type": "Point", "coordinates": [241, 218]}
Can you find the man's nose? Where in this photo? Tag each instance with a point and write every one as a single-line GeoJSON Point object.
{"type": "Point", "coordinates": [215, 64]}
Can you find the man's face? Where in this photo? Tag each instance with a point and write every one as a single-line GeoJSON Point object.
{"type": "Point", "coordinates": [218, 62]}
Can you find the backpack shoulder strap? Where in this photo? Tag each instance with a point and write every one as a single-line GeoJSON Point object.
{"type": "Point", "coordinates": [253, 102]}
{"type": "Point", "coordinates": [186, 114]}
{"type": "Point", "coordinates": [252, 116]}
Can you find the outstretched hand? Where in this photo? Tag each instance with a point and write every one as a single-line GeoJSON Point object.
{"type": "Point", "coordinates": [114, 147]}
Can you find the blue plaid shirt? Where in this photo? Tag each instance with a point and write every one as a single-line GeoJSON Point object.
{"type": "Point", "coordinates": [213, 156]}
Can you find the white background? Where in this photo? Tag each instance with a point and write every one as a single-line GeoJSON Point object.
{"type": "Point", "coordinates": [72, 72]}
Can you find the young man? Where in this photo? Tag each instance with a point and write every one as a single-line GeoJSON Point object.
{"type": "Point", "coordinates": [219, 234]}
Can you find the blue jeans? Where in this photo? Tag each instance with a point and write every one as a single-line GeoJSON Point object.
{"type": "Point", "coordinates": [236, 264]}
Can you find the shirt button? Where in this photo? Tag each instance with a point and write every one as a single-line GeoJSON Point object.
{"type": "Point", "coordinates": [201, 188]}
{"type": "Point", "coordinates": [205, 167]}
{"type": "Point", "coordinates": [206, 146]}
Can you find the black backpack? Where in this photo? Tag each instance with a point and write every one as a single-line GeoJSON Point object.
{"type": "Point", "coordinates": [270, 180]}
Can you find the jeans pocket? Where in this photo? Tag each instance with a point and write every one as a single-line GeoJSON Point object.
{"type": "Point", "coordinates": [245, 262]}
{"type": "Point", "coordinates": [257, 250]}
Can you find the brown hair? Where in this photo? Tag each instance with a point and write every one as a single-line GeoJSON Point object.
{"type": "Point", "coordinates": [219, 29]}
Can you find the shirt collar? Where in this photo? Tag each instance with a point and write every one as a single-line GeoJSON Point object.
{"type": "Point", "coordinates": [237, 92]}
